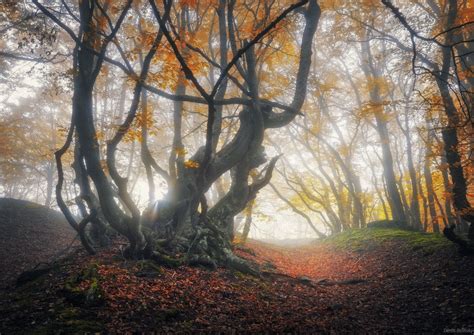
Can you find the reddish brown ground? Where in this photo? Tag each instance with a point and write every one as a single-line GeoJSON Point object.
{"type": "Point", "coordinates": [405, 291]}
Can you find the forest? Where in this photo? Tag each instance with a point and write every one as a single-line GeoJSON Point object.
{"type": "Point", "coordinates": [235, 166]}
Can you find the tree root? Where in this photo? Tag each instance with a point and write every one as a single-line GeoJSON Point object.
{"type": "Point", "coordinates": [30, 275]}
{"type": "Point", "coordinates": [202, 260]}
{"type": "Point", "coordinates": [165, 260]}
{"type": "Point", "coordinates": [234, 262]}
{"type": "Point", "coordinates": [465, 247]}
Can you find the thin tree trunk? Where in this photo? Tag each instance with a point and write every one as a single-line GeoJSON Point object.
{"type": "Point", "coordinates": [248, 220]}
{"type": "Point", "coordinates": [429, 180]}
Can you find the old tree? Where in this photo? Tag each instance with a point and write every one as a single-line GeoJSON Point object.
{"type": "Point", "coordinates": [195, 54]}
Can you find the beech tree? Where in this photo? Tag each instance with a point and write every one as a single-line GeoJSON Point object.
{"type": "Point", "coordinates": [452, 42]}
{"type": "Point", "coordinates": [182, 221]}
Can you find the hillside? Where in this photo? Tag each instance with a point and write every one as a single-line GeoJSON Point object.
{"type": "Point", "coordinates": [29, 234]}
{"type": "Point", "coordinates": [371, 280]}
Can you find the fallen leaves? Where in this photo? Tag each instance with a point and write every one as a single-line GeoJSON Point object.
{"type": "Point", "coordinates": [390, 288]}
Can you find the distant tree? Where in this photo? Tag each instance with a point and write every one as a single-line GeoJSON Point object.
{"type": "Point", "coordinates": [455, 30]}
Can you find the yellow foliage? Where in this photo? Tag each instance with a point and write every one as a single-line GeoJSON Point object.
{"type": "Point", "coordinates": [253, 173]}
{"type": "Point", "coordinates": [190, 164]}
{"type": "Point", "coordinates": [344, 150]}
{"type": "Point", "coordinates": [466, 14]}
{"type": "Point", "coordinates": [378, 83]}
{"type": "Point", "coordinates": [100, 135]}
{"type": "Point", "coordinates": [188, 3]}
{"type": "Point", "coordinates": [330, 4]}
{"type": "Point", "coordinates": [144, 118]}
{"type": "Point", "coordinates": [133, 135]}
{"type": "Point", "coordinates": [181, 152]}
{"type": "Point", "coordinates": [370, 108]}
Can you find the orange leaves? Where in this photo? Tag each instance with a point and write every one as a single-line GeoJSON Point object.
{"type": "Point", "coordinates": [144, 118]}
{"type": "Point", "coordinates": [102, 23]}
{"type": "Point", "coordinates": [378, 83]}
{"type": "Point", "coordinates": [188, 3]}
{"type": "Point", "coordinates": [180, 152]}
{"type": "Point", "coordinates": [190, 164]}
{"type": "Point", "coordinates": [330, 4]}
{"type": "Point", "coordinates": [466, 14]}
{"type": "Point", "coordinates": [169, 73]}
{"type": "Point", "coordinates": [466, 74]}
{"type": "Point", "coordinates": [371, 108]}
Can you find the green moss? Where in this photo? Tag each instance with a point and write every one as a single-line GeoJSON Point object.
{"type": "Point", "coordinates": [92, 296]}
{"type": "Point", "coordinates": [70, 320]}
{"type": "Point", "coordinates": [242, 276]}
{"type": "Point", "coordinates": [363, 239]}
{"type": "Point", "coordinates": [76, 321]}
{"type": "Point", "coordinates": [26, 295]}
{"type": "Point", "coordinates": [148, 268]}
{"type": "Point", "coordinates": [68, 313]}
{"type": "Point", "coordinates": [59, 315]}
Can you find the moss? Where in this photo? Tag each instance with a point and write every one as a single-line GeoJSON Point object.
{"type": "Point", "coordinates": [26, 295]}
{"type": "Point", "coordinates": [76, 321]}
{"type": "Point", "coordinates": [391, 224]}
{"type": "Point", "coordinates": [81, 326]}
{"type": "Point", "coordinates": [92, 296]}
{"type": "Point", "coordinates": [363, 239]}
{"type": "Point", "coordinates": [59, 315]}
{"type": "Point", "coordinates": [166, 261]}
{"type": "Point", "coordinates": [242, 276]}
{"type": "Point", "coordinates": [70, 320]}
{"type": "Point", "coordinates": [68, 313]}
{"type": "Point", "coordinates": [148, 268]}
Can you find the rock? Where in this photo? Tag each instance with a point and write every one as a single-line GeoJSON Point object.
{"type": "Point", "coordinates": [305, 280]}
{"type": "Point", "coordinates": [352, 281]}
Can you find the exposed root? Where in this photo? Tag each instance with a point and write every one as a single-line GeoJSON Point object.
{"type": "Point", "coordinates": [209, 247]}
{"type": "Point", "coordinates": [31, 275]}
{"type": "Point", "coordinates": [202, 260]}
{"type": "Point", "coordinates": [241, 265]}
{"type": "Point", "coordinates": [165, 260]}
{"type": "Point", "coordinates": [465, 247]}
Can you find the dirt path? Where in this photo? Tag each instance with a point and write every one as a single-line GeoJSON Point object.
{"type": "Point", "coordinates": [399, 288]}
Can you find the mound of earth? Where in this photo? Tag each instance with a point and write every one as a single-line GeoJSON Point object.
{"type": "Point", "coordinates": [29, 234]}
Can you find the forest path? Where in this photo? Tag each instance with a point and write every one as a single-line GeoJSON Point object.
{"type": "Point", "coordinates": [403, 281]}
{"type": "Point", "coordinates": [409, 283]}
